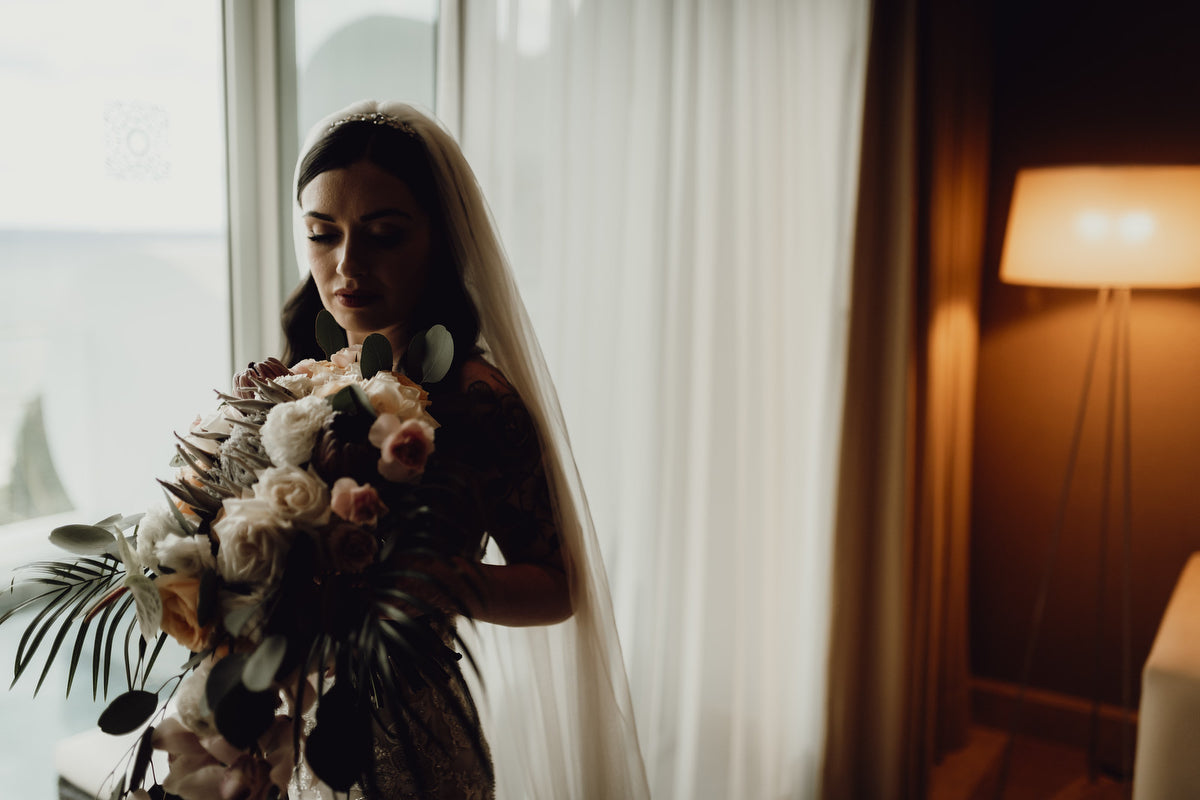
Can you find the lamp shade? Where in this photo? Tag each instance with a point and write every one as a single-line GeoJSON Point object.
{"type": "Point", "coordinates": [1120, 226]}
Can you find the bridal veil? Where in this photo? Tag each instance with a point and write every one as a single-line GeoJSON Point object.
{"type": "Point", "coordinates": [554, 699]}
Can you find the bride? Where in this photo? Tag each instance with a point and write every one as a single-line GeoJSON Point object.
{"type": "Point", "coordinates": [397, 238]}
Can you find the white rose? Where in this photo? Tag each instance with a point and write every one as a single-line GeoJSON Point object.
{"type": "Point", "coordinates": [156, 525]}
{"type": "Point", "coordinates": [254, 542]}
{"type": "Point", "coordinates": [389, 396]}
{"type": "Point", "coordinates": [295, 493]}
{"type": "Point", "coordinates": [291, 429]}
{"type": "Point", "coordinates": [186, 555]}
{"type": "Point", "coordinates": [191, 704]}
{"type": "Point", "coordinates": [298, 385]}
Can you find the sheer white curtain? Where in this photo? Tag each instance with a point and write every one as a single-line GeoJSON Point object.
{"type": "Point", "coordinates": [674, 182]}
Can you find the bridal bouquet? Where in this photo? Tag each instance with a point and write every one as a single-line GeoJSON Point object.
{"type": "Point", "coordinates": [294, 558]}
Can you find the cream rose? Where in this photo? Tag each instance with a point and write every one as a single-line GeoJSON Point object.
{"type": "Point", "coordinates": [388, 395]}
{"type": "Point", "coordinates": [358, 504]}
{"type": "Point", "coordinates": [298, 385]}
{"type": "Point", "coordinates": [191, 704]}
{"type": "Point", "coordinates": [334, 385]}
{"type": "Point", "coordinates": [295, 493]}
{"type": "Point", "coordinates": [404, 446]}
{"type": "Point", "coordinates": [291, 429]}
{"type": "Point", "coordinates": [185, 555]}
{"type": "Point", "coordinates": [157, 524]}
{"type": "Point", "coordinates": [254, 541]}
{"type": "Point", "coordinates": [180, 596]}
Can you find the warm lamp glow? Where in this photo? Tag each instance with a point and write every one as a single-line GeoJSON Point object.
{"type": "Point", "coordinates": [1132, 226]}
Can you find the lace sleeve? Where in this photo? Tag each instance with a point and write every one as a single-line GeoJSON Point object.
{"type": "Point", "coordinates": [517, 508]}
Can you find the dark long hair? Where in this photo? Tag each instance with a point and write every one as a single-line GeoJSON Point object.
{"type": "Point", "coordinates": [402, 153]}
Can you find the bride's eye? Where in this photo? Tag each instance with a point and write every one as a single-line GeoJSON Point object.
{"type": "Point", "coordinates": [321, 238]}
{"type": "Point", "coordinates": [387, 234]}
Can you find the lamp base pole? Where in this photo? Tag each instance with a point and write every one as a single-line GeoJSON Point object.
{"type": "Point", "coordinates": [1117, 433]}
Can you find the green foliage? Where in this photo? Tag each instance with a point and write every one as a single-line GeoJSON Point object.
{"type": "Point", "coordinates": [353, 400]}
{"type": "Point", "coordinates": [259, 672]}
{"type": "Point", "coordinates": [128, 712]}
{"type": "Point", "coordinates": [330, 335]}
{"type": "Point", "coordinates": [430, 355]}
{"type": "Point", "coordinates": [376, 355]}
{"type": "Point", "coordinates": [83, 540]}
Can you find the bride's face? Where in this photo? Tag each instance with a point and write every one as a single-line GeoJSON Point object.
{"type": "Point", "coordinates": [369, 248]}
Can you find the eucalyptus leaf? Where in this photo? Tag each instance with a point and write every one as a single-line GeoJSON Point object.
{"type": "Point", "coordinates": [84, 540]}
{"type": "Point", "coordinates": [339, 747]}
{"type": "Point", "coordinates": [242, 716]}
{"type": "Point", "coordinates": [142, 760]}
{"type": "Point", "coordinates": [206, 598]}
{"type": "Point", "coordinates": [236, 620]}
{"type": "Point", "coordinates": [376, 355]}
{"type": "Point", "coordinates": [330, 335]}
{"type": "Point", "coordinates": [226, 676]}
{"type": "Point", "coordinates": [260, 669]}
{"type": "Point", "coordinates": [128, 522]}
{"type": "Point", "coordinates": [430, 354]}
{"type": "Point", "coordinates": [352, 400]}
{"type": "Point", "coordinates": [108, 521]}
{"type": "Point", "coordinates": [128, 712]}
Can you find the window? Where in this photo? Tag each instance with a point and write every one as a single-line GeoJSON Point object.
{"type": "Point", "coordinates": [114, 313]}
{"type": "Point", "coordinates": [126, 288]}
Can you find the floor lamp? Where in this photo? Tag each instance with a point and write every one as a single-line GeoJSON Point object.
{"type": "Point", "coordinates": [1113, 229]}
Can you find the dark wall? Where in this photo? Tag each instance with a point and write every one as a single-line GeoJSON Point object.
{"type": "Point", "coordinates": [1100, 83]}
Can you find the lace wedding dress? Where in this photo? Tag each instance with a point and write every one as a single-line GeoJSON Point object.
{"type": "Point", "coordinates": [557, 700]}
{"type": "Point", "coordinates": [487, 448]}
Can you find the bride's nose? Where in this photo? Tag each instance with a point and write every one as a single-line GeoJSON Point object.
{"type": "Point", "coordinates": [350, 262]}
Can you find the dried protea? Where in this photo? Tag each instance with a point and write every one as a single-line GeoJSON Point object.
{"type": "Point", "coordinates": [242, 456]}
{"type": "Point", "coordinates": [243, 383]}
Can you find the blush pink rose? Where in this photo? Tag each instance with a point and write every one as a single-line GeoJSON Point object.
{"type": "Point", "coordinates": [404, 447]}
{"type": "Point", "coordinates": [358, 504]}
{"type": "Point", "coordinates": [351, 548]}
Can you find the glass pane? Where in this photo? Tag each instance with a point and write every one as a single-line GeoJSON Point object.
{"type": "Point", "coordinates": [363, 49]}
{"type": "Point", "coordinates": [115, 308]}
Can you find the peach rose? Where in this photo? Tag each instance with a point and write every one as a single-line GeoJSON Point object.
{"type": "Point", "coordinates": [358, 504]}
{"type": "Point", "coordinates": [404, 447]}
{"type": "Point", "coordinates": [347, 356]}
{"type": "Point", "coordinates": [392, 393]}
{"type": "Point", "coordinates": [180, 596]}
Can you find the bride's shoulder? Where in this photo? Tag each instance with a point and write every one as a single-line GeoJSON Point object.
{"type": "Point", "coordinates": [480, 375]}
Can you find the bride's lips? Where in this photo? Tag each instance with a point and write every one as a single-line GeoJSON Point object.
{"type": "Point", "coordinates": [354, 299]}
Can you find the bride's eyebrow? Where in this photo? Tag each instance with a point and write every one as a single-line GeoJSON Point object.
{"type": "Point", "coordinates": [383, 212]}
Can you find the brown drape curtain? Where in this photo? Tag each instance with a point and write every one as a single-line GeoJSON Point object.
{"type": "Point", "coordinates": [899, 672]}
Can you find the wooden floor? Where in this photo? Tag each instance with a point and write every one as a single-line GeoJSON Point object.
{"type": "Point", "coordinates": [1038, 770]}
